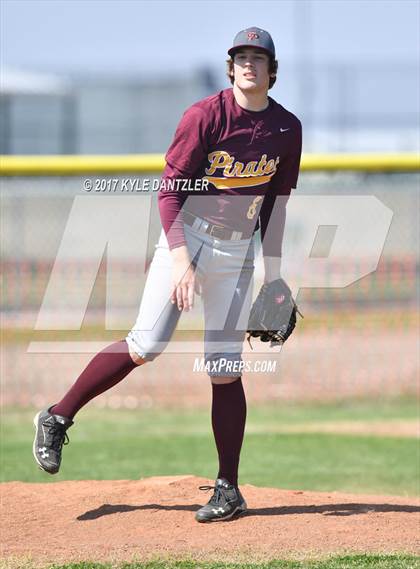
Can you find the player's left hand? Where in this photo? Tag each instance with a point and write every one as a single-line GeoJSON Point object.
{"type": "Point", "coordinates": [273, 314]}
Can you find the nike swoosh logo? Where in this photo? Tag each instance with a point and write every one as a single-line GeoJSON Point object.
{"type": "Point", "coordinates": [284, 129]}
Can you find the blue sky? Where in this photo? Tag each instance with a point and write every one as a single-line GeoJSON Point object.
{"type": "Point", "coordinates": [137, 36]}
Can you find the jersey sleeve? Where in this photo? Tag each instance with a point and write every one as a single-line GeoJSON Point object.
{"type": "Point", "coordinates": [287, 173]}
{"type": "Point", "coordinates": [183, 159]}
{"type": "Point", "coordinates": [273, 209]}
{"type": "Point", "coordinates": [170, 205]}
{"type": "Point", "coordinates": [190, 143]}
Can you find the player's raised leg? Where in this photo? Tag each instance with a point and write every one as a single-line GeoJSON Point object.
{"type": "Point", "coordinates": [104, 371]}
{"type": "Point", "coordinates": [153, 330]}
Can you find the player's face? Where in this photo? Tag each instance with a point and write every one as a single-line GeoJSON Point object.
{"type": "Point", "coordinates": [251, 69]}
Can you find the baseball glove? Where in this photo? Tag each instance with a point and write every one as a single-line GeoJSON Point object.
{"type": "Point", "coordinates": [273, 314]}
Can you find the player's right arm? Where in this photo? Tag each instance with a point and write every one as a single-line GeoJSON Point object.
{"type": "Point", "coordinates": [183, 280]}
{"type": "Point", "coordinates": [183, 159]}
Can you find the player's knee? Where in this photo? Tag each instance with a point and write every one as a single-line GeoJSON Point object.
{"type": "Point", "coordinates": [145, 354]}
{"type": "Point", "coordinates": [224, 368]}
{"type": "Point", "coordinates": [142, 348]}
{"type": "Point", "coordinates": [138, 360]}
{"type": "Point", "coordinates": [222, 380]}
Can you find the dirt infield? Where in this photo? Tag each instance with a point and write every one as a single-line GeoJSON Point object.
{"type": "Point", "coordinates": [154, 518]}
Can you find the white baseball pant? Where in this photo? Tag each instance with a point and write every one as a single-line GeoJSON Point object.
{"type": "Point", "coordinates": [225, 269]}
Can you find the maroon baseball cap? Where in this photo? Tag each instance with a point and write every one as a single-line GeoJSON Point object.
{"type": "Point", "coordinates": [253, 37]}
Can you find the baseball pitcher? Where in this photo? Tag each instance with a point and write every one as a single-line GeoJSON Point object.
{"type": "Point", "coordinates": [245, 148]}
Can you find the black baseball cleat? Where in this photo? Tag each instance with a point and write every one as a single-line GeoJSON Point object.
{"type": "Point", "coordinates": [50, 435]}
{"type": "Point", "coordinates": [226, 502]}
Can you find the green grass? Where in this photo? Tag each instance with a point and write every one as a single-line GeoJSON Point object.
{"type": "Point", "coordinates": [138, 444]}
{"type": "Point", "coordinates": [341, 562]}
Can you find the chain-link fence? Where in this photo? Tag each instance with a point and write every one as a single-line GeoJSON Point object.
{"type": "Point", "coordinates": [355, 339]}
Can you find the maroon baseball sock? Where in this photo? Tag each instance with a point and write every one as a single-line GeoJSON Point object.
{"type": "Point", "coordinates": [104, 371]}
{"type": "Point", "coordinates": [228, 416]}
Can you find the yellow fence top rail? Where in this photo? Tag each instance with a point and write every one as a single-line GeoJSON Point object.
{"type": "Point", "coordinates": [145, 163]}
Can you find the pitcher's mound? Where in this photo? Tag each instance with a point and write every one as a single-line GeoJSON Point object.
{"type": "Point", "coordinates": [127, 520]}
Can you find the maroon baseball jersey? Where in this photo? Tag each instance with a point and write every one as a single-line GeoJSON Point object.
{"type": "Point", "coordinates": [247, 157]}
